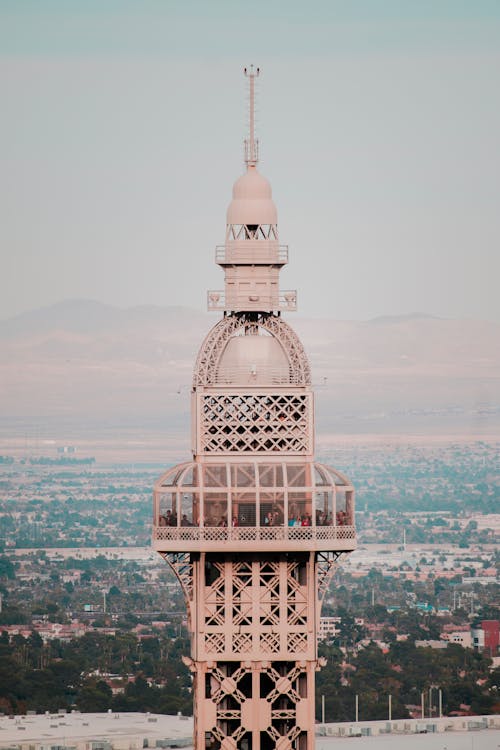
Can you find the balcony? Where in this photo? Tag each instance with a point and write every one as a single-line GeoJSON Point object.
{"type": "Point", "coordinates": [274, 538]}
{"type": "Point", "coordinates": [283, 301]}
{"type": "Point", "coordinates": [252, 252]}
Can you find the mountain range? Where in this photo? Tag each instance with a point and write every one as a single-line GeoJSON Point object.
{"type": "Point", "coordinates": [84, 361]}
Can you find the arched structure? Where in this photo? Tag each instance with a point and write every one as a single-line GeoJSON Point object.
{"type": "Point", "coordinates": [206, 371]}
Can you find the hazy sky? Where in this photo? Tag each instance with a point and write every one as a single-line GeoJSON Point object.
{"type": "Point", "coordinates": [379, 123]}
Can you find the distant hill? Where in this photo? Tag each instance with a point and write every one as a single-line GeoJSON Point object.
{"type": "Point", "coordinates": [80, 359]}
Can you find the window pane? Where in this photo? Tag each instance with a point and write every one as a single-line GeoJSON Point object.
{"type": "Point", "coordinates": [215, 508]}
{"type": "Point", "coordinates": [296, 475]}
{"type": "Point", "coordinates": [320, 477]}
{"type": "Point", "coordinates": [243, 509]}
{"type": "Point", "coordinates": [215, 475]}
{"type": "Point", "coordinates": [190, 478]}
{"type": "Point", "coordinates": [167, 509]}
{"type": "Point", "coordinates": [271, 475]}
{"type": "Point", "coordinates": [172, 477]}
{"type": "Point", "coordinates": [272, 507]}
{"type": "Point", "coordinates": [189, 509]}
{"type": "Point", "coordinates": [341, 515]}
{"type": "Point", "coordinates": [323, 502]}
{"type": "Point", "coordinates": [242, 475]}
{"type": "Point", "coordinates": [299, 509]}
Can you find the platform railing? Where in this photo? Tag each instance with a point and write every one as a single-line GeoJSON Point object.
{"type": "Point", "coordinates": [253, 533]}
{"type": "Point", "coordinates": [218, 300]}
{"type": "Point", "coordinates": [252, 251]}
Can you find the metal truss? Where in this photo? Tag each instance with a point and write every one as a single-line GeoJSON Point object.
{"type": "Point", "coordinates": [255, 423]}
{"type": "Point", "coordinates": [267, 611]}
{"type": "Point", "coordinates": [182, 567]}
{"type": "Point", "coordinates": [229, 699]}
{"type": "Point", "coordinates": [326, 565]}
{"type": "Point", "coordinates": [207, 363]}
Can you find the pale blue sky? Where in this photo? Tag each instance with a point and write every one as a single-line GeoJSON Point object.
{"type": "Point", "coordinates": [121, 132]}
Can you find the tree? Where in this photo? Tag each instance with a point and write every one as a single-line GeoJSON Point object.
{"type": "Point", "coordinates": [94, 697]}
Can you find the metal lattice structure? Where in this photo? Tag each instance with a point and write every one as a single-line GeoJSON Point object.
{"type": "Point", "coordinates": [255, 422]}
{"type": "Point", "coordinates": [207, 363]}
{"type": "Point", "coordinates": [252, 527]}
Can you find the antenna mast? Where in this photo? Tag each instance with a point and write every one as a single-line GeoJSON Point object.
{"type": "Point", "coordinates": [251, 144]}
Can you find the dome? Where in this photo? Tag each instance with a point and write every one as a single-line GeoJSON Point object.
{"type": "Point", "coordinates": [254, 360]}
{"type": "Point", "coordinates": [252, 200]}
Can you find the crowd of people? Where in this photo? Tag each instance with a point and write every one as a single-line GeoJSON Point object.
{"type": "Point", "coordinates": [272, 518]}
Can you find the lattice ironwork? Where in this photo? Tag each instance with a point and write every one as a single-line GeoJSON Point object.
{"type": "Point", "coordinates": [215, 599]}
{"type": "Point", "coordinates": [297, 604]}
{"type": "Point", "coordinates": [181, 565]}
{"type": "Point", "coordinates": [270, 643]}
{"type": "Point", "coordinates": [242, 644]}
{"type": "Point", "coordinates": [206, 368]}
{"type": "Point", "coordinates": [297, 642]}
{"type": "Point", "coordinates": [215, 643]}
{"type": "Point", "coordinates": [326, 565]}
{"type": "Point", "coordinates": [255, 422]}
{"type": "Point", "coordinates": [242, 605]}
{"type": "Point", "coordinates": [283, 685]}
{"type": "Point", "coordinates": [252, 533]}
{"type": "Point", "coordinates": [264, 604]}
{"type": "Point", "coordinates": [230, 694]}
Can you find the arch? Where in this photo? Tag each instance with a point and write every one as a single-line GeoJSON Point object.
{"type": "Point", "coordinates": [205, 371]}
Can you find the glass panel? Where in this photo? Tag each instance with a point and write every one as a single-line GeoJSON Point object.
{"type": "Point", "coordinates": [167, 511]}
{"type": "Point", "coordinates": [338, 480]}
{"type": "Point", "coordinates": [341, 515]}
{"type": "Point", "coordinates": [296, 475]}
{"type": "Point", "coordinates": [215, 475]}
{"type": "Point", "coordinates": [244, 509]}
{"type": "Point", "coordinates": [242, 475]}
{"type": "Point", "coordinates": [190, 478]}
{"type": "Point", "coordinates": [271, 475]}
{"type": "Point", "coordinates": [172, 477]}
{"type": "Point", "coordinates": [215, 507]}
{"type": "Point", "coordinates": [320, 477]}
{"type": "Point", "coordinates": [190, 509]}
{"type": "Point", "coordinates": [323, 502]}
{"type": "Point", "coordinates": [299, 509]}
{"type": "Point", "coordinates": [272, 508]}
{"type": "Point", "coordinates": [349, 503]}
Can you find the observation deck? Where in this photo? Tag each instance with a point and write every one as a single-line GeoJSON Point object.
{"type": "Point", "coordinates": [276, 539]}
{"type": "Point", "coordinates": [280, 507]}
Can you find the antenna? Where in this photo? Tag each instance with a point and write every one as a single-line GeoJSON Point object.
{"type": "Point", "coordinates": [251, 144]}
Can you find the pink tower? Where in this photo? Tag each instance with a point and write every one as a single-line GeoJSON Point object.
{"type": "Point", "coordinates": [252, 526]}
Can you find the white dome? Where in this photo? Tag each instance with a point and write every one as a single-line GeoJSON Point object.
{"type": "Point", "coordinates": [258, 360]}
{"type": "Point", "coordinates": [252, 200]}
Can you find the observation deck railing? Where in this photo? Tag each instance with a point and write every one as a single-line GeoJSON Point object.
{"type": "Point", "coordinates": [218, 300]}
{"type": "Point", "coordinates": [257, 252]}
{"type": "Point", "coordinates": [293, 537]}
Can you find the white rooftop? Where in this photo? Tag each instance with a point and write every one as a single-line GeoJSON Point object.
{"type": "Point", "coordinates": [128, 731]}
{"type": "Point", "coordinates": [123, 730]}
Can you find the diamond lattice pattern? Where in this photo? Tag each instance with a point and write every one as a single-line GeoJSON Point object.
{"type": "Point", "coordinates": [256, 422]}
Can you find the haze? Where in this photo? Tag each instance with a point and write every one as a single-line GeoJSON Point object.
{"type": "Point", "coordinates": [379, 122]}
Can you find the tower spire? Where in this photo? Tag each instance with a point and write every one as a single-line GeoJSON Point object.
{"type": "Point", "coordinates": [251, 144]}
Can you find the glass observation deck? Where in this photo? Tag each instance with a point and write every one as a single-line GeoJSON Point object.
{"type": "Point", "coordinates": [287, 505]}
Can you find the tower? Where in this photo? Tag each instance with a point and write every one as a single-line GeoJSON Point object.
{"type": "Point", "coordinates": [252, 526]}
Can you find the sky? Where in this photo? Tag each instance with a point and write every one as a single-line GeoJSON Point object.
{"type": "Point", "coordinates": [379, 126]}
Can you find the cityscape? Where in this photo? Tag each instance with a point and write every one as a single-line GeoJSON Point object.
{"type": "Point", "coordinates": [249, 491]}
{"type": "Point", "coordinates": [420, 585]}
